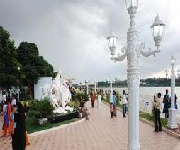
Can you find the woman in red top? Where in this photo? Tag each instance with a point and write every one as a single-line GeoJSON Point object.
{"type": "Point", "coordinates": [93, 97]}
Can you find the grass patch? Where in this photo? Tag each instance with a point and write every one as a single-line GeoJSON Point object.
{"type": "Point", "coordinates": [150, 118]}
{"type": "Point", "coordinates": [33, 126]}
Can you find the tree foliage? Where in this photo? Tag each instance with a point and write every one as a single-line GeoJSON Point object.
{"type": "Point", "coordinates": [8, 60]}
{"type": "Point", "coordinates": [22, 65]}
{"type": "Point", "coordinates": [33, 65]}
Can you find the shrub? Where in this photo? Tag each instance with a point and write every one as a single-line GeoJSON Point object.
{"type": "Point", "coordinates": [74, 104]}
{"type": "Point", "coordinates": [41, 109]}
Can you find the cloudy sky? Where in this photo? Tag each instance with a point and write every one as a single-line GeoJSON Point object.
{"type": "Point", "coordinates": [71, 34]}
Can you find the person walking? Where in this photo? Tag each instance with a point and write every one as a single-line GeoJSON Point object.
{"type": "Point", "coordinates": [114, 103]}
{"type": "Point", "coordinates": [157, 106]}
{"type": "Point", "coordinates": [175, 102]}
{"type": "Point", "coordinates": [167, 104]}
{"type": "Point", "coordinates": [111, 109]}
{"type": "Point", "coordinates": [12, 125]}
{"type": "Point", "coordinates": [99, 99]}
{"type": "Point", "coordinates": [20, 130]}
{"type": "Point", "coordinates": [7, 116]}
{"type": "Point", "coordinates": [124, 103]}
{"type": "Point", "coordinates": [93, 97]}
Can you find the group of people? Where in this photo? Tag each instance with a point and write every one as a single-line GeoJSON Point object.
{"type": "Point", "coordinates": [113, 103]}
{"type": "Point", "coordinates": [14, 123]}
{"type": "Point", "coordinates": [167, 103]}
{"type": "Point", "coordinates": [93, 98]}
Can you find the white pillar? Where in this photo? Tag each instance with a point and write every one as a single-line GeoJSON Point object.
{"type": "Point", "coordinates": [172, 123]}
{"type": "Point", "coordinates": [95, 87]}
{"type": "Point", "coordinates": [87, 88]}
{"type": "Point", "coordinates": [133, 85]}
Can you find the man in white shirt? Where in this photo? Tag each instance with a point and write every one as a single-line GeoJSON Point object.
{"type": "Point", "coordinates": [99, 100]}
{"type": "Point", "coordinates": [124, 103]}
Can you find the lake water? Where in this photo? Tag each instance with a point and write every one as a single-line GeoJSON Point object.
{"type": "Point", "coordinates": [150, 91]}
{"type": "Point", "coordinates": [146, 95]}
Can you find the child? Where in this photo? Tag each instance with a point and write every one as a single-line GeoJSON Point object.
{"type": "Point", "coordinates": [12, 125]}
{"type": "Point", "coordinates": [111, 109]}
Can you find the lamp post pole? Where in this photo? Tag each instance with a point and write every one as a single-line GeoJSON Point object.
{"type": "Point", "coordinates": [178, 73]}
{"type": "Point", "coordinates": [87, 87]}
{"type": "Point", "coordinates": [172, 123]}
{"type": "Point", "coordinates": [95, 86]}
{"type": "Point", "coordinates": [133, 51]}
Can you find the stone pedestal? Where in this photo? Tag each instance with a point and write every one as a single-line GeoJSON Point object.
{"type": "Point", "coordinates": [172, 122]}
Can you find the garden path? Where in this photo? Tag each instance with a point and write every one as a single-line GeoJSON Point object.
{"type": "Point", "coordinates": [100, 132]}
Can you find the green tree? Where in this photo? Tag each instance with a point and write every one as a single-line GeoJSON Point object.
{"type": "Point", "coordinates": [28, 55]}
{"type": "Point", "coordinates": [44, 68]}
{"type": "Point", "coordinates": [8, 60]}
{"type": "Point", "coordinates": [33, 65]}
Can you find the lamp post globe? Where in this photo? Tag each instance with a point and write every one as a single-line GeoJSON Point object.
{"type": "Point", "coordinates": [157, 28]}
{"type": "Point", "coordinates": [112, 40]}
{"type": "Point", "coordinates": [87, 87]}
{"type": "Point", "coordinates": [172, 61]}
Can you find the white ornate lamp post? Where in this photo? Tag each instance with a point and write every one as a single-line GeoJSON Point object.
{"type": "Point", "coordinates": [111, 88]}
{"type": "Point", "coordinates": [87, 87]}
{"type": "Point", "coordinates": [178, 73]}
{"type": "Point", "coordinates": [133, 51]}
{"type": "Point", "coordinates": [172, 123]}
{"type": "Point", "coordinates": [95, 86]}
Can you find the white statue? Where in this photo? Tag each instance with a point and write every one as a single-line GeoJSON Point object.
{"type": "Point", "coordinates": [61, 95]}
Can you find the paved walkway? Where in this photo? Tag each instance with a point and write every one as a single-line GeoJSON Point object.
{"type": "Point", "coordinates": [99, 133]}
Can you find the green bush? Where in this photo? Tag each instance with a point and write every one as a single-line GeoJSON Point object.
{"type": "Point", "coordinates": [81, 97]}
{"type": "Point", "coordinates": [41, 109]}
{"type": "Point", "coordinates": [74, 104]}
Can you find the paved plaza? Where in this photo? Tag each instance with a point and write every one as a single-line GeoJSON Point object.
{"type": "Point", "coordinates": [99, 133]}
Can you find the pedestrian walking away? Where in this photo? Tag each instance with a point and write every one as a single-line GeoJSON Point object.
{"type": "Point", "coordinates": [114, 103]}
{"type": "Point", "coordinates": [111, 109]}
{"type": "Point", "coordinates": [167, 104]}
{"type": "Point", "coordinates": [124, 103]}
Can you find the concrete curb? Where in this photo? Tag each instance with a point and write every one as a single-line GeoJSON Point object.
{"type": "Point", "coordinates": [152, 124]}
{"type": "Point", "coordinates": [56, 128]}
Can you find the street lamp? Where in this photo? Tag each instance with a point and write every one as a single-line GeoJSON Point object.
{"type": "Point", "coordinates": [87, 87]}
{"type": "Point", "coordinates": [95, 86]}
{"type": "Point", "coordinates": [133, 51]}
{"type": "Point", "coordinates": [172, 123]}
{"type": "Point", "coordinates": [178, 73]}
{"type": "Point", "coordinates": [111, 94]}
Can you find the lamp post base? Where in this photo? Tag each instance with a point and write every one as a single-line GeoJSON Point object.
{"type": "Point", "coordinates": [134, 147]}
{"type": "Point", "coordinates": [172, 123]}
